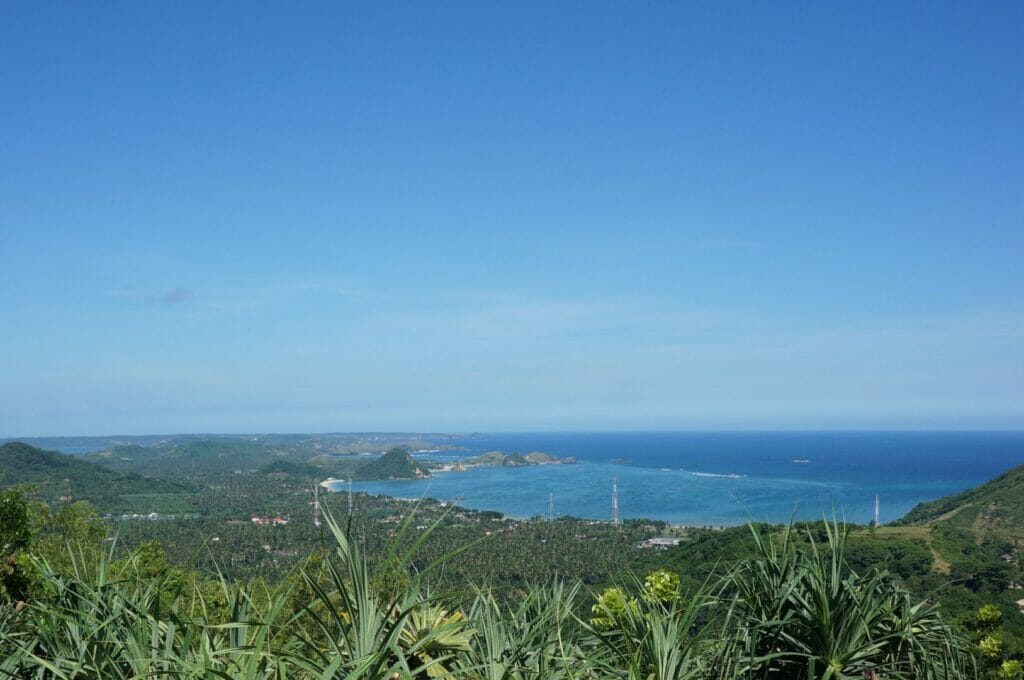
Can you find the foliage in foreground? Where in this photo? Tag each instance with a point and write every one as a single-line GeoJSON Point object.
{"type": "Point", "coordinates": [795, 610]}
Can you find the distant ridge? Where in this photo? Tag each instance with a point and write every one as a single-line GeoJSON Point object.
{"type": "Point", "coordinates": [60, 477]}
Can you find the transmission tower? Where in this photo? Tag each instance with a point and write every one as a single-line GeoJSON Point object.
{"type": "Point", "coordinates": [316, 504]}
{"type": "Point", "coordinates": [615, 500]}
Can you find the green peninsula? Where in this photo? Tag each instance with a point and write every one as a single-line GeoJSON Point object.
{"type": "Point", "coordinates": [514, 459]}
{"type": "Point", "coordinates": [395, 464]}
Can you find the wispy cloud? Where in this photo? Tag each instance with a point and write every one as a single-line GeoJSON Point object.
{"type": "Point", "coordinates": [489, 317]}
{"type": "Point", "coordinates": [228, 295]}
{"type": "Point", "coordinates": [176, 296]}
{"type": "Point", "coordinates": [731, 243]}
{"type": "Point", "coordinates": [268, 293]}
{"type": "Point", "coordinates": [151, 296]}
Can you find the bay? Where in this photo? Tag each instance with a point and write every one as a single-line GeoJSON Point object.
{"type": "Point", "coordinates": [719, 478]}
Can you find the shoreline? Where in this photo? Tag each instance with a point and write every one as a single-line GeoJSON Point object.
{"type": "Point", "coordinates": [708, 482]}
{"type": "Point", "coordinates": [595, 520]}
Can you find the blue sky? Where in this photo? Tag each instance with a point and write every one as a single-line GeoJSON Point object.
{"type": "Point", "coordinates": [510, 216]}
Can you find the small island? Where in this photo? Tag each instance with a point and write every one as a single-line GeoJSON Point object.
{"type": "Point", "coordinates": [502, 459]}
{"type": "Point", "coordinates": [397, 463]}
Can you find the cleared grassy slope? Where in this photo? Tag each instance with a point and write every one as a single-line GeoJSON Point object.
{"type": "Point", "coordinates": [997, 505]}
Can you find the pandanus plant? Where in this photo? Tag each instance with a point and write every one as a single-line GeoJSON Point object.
{"type": "Point", "coordinates": [535, 636]}
{"type": "Point", "coordinates": [380, 628]}
{"type": "Point", "coordinates": [792, 611]}
{"type": "Point", "coordinates": [796, 611]}
{"type": "Point", "coordinates": [102, 622]}
{"type": "Point", "coordinates": [660, 633]}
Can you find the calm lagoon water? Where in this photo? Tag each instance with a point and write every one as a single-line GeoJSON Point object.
{"type": "Point", "coordinates": [721, 478]}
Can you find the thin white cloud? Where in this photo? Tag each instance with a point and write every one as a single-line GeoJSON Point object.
{"type": "Point", "coordinates": [176, 296]}
{"type": "Point", "coordinates": [487, 317]}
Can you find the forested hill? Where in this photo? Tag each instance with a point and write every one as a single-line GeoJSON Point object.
{"type": "Point", "coordinates": [998, 504]}
{"type": "Point", "coordinates": [311, 457]}
{"type": "Point", "coordinates": [56, 476]}
{"type": "Point", "coordinates": [395, 464]}
{"type": "Point", "coordinates": [173, 459]}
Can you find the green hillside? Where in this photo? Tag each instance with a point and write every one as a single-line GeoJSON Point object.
{"type": "Point", "coordinates": [204, 456]}
{"type": "Point", "coordinates": [996, 505]}
{"type": "Point", "coordinates": [966, 550]}
{"type": "Point", "coordinates": [196, 457]}
{"type": "Point", "coordinates": [292, 469]}
{"type": "Point", "coordinates": [395, 464]}
{"type": "Point", "coordinates": [57, 476]}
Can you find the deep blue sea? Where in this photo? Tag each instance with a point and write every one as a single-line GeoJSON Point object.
{"type": "Point", "coordinates": [721, 478]}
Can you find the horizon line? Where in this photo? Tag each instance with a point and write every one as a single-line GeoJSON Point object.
{"type": "Point", "coordinates": [471, 433]}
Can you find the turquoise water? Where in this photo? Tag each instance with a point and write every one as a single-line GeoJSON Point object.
{"type": "Point", "coordinates": [722, 478]}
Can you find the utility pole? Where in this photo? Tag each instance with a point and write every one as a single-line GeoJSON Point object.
{"type": "Point", "coordinates": [877, 522]}
{"type": "Point", "coordinates": [350, 495]}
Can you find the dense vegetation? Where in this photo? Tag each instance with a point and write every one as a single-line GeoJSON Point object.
{"type": "Point", "coordinates": [58, 476]}
{"type": "Point", "coordinates": [173, 457]}
{"type": "Point", "coordinates": [787, 611]}
{"type": "Point", "coordinates": [962, 553]}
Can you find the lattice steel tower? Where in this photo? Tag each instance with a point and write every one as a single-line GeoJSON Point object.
{"type": "Point", "coordinates": [316, 504]}
{"type": "Point", "coordinates": [615, 500]}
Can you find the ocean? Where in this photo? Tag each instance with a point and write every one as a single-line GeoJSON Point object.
{"type": "Point", "coordinates": [720, 478]}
